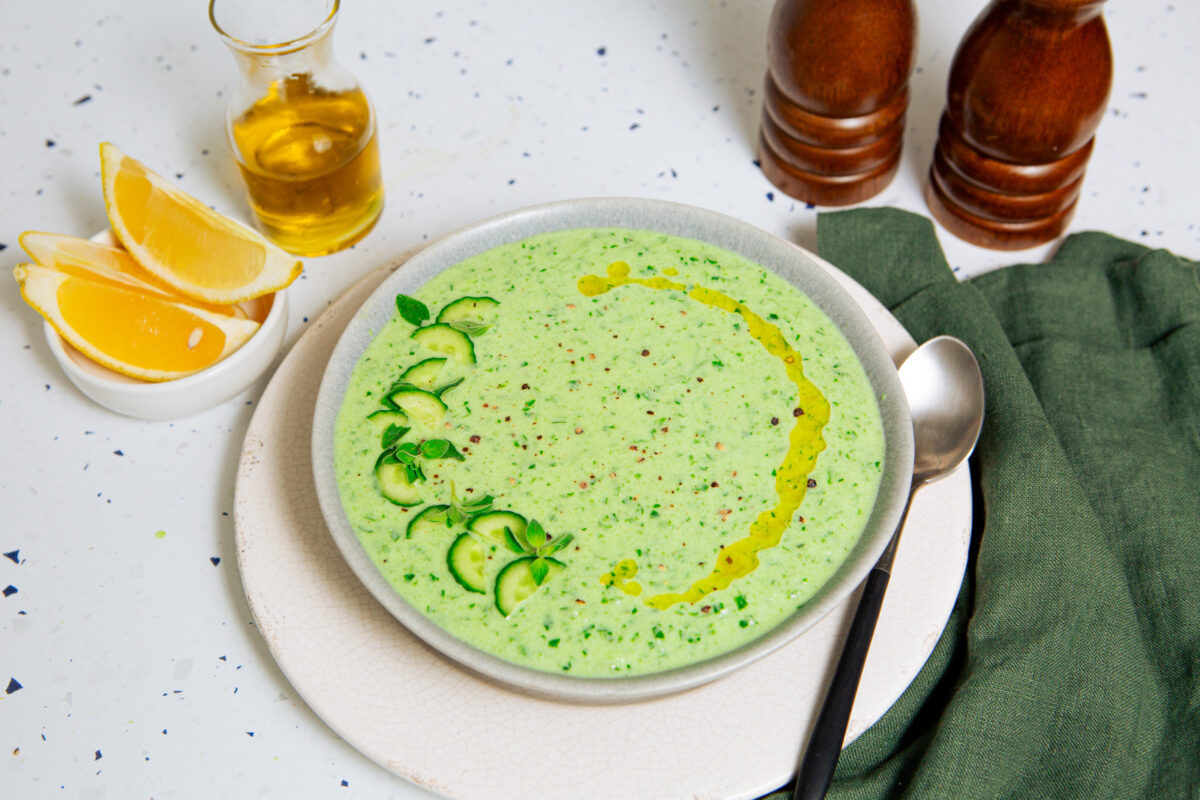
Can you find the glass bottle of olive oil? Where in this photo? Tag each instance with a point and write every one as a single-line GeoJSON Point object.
{"type": "Point", "coordinates": [302, 131]}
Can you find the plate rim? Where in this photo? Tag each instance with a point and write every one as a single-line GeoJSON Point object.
{"type": "Point", "coordinates": [314, 619]}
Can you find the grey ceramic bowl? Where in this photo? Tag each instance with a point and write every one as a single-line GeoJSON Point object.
{"type": "Point", "coordinates": [783, 258]}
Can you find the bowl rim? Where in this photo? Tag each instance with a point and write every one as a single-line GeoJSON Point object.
{"type": "Point", "coordinates": [794, 264]}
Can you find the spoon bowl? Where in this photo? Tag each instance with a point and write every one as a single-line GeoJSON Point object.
{"type": "Point", "coordinates": [945, 394]}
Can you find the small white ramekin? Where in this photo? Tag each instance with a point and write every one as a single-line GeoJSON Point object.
{"type": "Point", "coordinates": [183, 396]}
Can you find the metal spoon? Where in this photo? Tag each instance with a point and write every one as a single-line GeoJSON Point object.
{"type": "Point", "coordinates": [945, 393]}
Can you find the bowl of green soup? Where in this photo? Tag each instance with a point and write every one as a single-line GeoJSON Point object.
{"type": "Point", "coordinates": [604, 450]}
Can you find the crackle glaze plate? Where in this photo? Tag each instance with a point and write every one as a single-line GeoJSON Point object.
{"type": "Point", "coordinates": [457, 735]}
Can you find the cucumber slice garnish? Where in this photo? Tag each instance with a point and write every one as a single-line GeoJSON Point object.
{"type": "Point", "coordinates": [423, 374]}
{"type": "Point", "coordinates": [492, 524]}
{"type": "Point", "coordinates": [388, 416]}
{"type": "Point", "coordinates": [441, 390]}
{"type": "Point", "coordinates": [479, 310]}
{"type": "Point", "coordinates": [515, 583]}
{"type": "Point", "coordinates": [395, 486]}
{"type": "Point", "coordinates": [420, 406]}
{"type": "Point", "coordinates": [430, 522]}
{"type": "Point", "coordinates": [441, 338]}
{"type": "Point", "coordinates": [466, 560]}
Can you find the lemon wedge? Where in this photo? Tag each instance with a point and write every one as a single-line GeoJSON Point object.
{"type": "Point", "coordinates": [185, 244]}
{"type": "Point", "coordinates": [140, 334]}
{"type": "Point", "coordinates": [93, 261]}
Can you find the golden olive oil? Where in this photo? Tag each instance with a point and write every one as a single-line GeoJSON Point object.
{"type": "Point", "coordinates": [310, 160]}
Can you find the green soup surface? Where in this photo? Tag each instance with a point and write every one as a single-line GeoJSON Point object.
{"type": "Point", "coordinates": [696, 424]}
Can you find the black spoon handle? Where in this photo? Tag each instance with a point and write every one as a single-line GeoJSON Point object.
{"type": "Point", "coordinates": [821, 757]}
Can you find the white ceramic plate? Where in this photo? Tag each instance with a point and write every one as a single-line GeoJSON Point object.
{"type": "Point", "coordinates": [794, 265]}
{"type": "Point", "coordinates": [423, 718]}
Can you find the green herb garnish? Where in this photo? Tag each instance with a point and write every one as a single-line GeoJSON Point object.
{"type": "Point", "coordinates": [411, 309]}
{"type": "Point", "coordinates": [469, 326]}
{"type": "Point", "coordinates": [392, 435]}
{"type": "Point", "coordinates": [460, 512]}
{"type": "Point", "coordinates": [536, 542]}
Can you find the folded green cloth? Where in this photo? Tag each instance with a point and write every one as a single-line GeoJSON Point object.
{"type": "Point", "coordinates": [1070, 667]}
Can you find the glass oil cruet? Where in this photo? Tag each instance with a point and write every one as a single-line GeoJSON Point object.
{"type": "Point", "coordinates": [301, 129]}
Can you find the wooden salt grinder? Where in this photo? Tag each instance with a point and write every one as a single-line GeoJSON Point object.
{"type": "Point", "coordinates": [1028, 88]}
{"type": "Point", "coordinates": [836, 93]}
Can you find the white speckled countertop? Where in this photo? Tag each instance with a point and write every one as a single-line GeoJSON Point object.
{"type": "Point", "coordinates": [130, 664]}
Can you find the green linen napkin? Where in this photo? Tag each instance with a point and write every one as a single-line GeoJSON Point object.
{"type": "Point", "coordinates": [1070, 667]}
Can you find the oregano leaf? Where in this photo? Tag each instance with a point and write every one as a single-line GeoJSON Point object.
{"type": "Point", "coordinates": [469, 326]}
{"type": "Point", "coordinates": [539, 568]}
{"type": "Point", "coordinates": [411, 309]}
{"type": "Point", "coordinates": [435, 448]}
{"type": "Point", "coordinates": [535, 534]}
{"type": "Point", "coordinates": [510, 539]}
{"type": "Point", "coordinates": [557, 544]}
{"type": "Point", "coordinates": [392, 435]}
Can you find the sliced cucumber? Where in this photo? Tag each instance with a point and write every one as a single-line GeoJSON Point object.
{"type": "Point", "coordinates": [466, 560]}
{"type": "Point", "coordinates": [480, 310]}
{"type": "Point", "coordinates": [441, 338]}
{"type": "Point", "coordinates": [492, 524]}
{"type": "Point", "coordinates": [421, 406]}
{"type": "Point", "coordinates": [387, 416]}
{"type": "Point", "coordinates": [515, 583]}
{"type": "Point", "coordinates": [441, 390]}
{"type": "Point", "coordinates": [395, 486]}
{"type": "Point", "coordinates": [423, 374]}
{"type": "Point", "coordinates": [430, 522]}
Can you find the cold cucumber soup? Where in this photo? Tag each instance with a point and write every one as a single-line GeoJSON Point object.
{"type": "Point", "coordinates": [608, 452]}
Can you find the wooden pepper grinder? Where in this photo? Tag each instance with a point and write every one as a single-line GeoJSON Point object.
{"type": "Point", "coordinates": [836, 93]}
{"type": "Point", "coordinates": [1028, 88]}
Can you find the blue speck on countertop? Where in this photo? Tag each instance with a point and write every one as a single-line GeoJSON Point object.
{"type": "Point", "coordinates": [99, 756]}
{"type": "Point", "coordinates": [13, 556]}
{"type": "Point", "coordinates": [215, 560]}
{"type": "Point", "coordinates": [10, 590]}
{"type": "Point", "coordinates": [13, 686]}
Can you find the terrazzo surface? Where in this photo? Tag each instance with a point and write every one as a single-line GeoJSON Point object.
{"type": "Point", "coordinates": [130, 662]}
